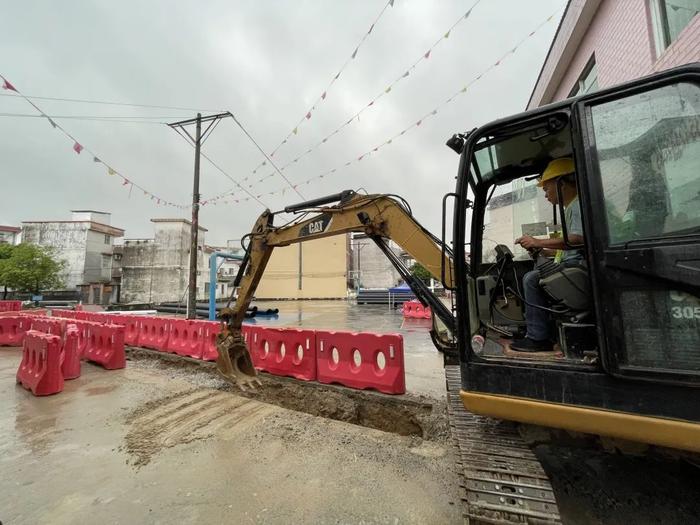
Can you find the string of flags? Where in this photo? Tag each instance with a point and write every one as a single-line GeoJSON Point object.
{"type": "Point", "coordinates": [78, 148]}
{"type": "Point", "coordinates": [416, 124]}
{"type": "Point", "coordinates": [322, 97]}
{"type": "Point", "coordinates": [388, 89]}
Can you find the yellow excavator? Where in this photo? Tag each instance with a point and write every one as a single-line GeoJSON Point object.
{"type": "Point", "coordinates": [625, 361]}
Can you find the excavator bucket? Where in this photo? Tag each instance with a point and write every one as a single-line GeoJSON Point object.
{"type": "Point", "coordinates": [234, 362]}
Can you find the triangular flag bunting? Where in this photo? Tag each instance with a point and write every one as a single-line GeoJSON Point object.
{"type": "Point", "coordinates": [391, 3]}
{"type": "Point", "coordinates": [405, 75]}
{"type": "Point", "coordinates": [323, 96]}
{"type": "Point", "coordinates": [77, 148]}
{"type": "Point", "coordinates": [387, 89]}
{"type": "Point", "coordinates": [126, 181]}
{"type": "Point", "coordinates": [434, 112]}
{"type": "Point", "coordinates": [354, 53]}
{"type": "Point", "coordinates": [295, 131]}
{"type": "Point", "coordinates": [427, 54]}
{"type": "Point", "coordinates": [370, 29]}
{"type": "Point", "coordinates": [419, 123]}
{"type": "Point", "coordinates": [466, 15]}
{"type": "Point", "coordinates": [95, 159]}
{"type": "Point", "coordinates": [446, 35]}
{"type": "Point", "coordinates": [464, 89]}
{"type": "Point", "coordinates": [110, 171]}
{"type": "Point", "coordinates": [7, 85]}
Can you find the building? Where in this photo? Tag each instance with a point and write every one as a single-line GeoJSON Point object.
{"type": "Point", "coordinates": [157, 270]}
{"type": "Point", "coordinates": [308, 270]}
{"type": "Point", "coordinates": [601, 43]}
{"type": "Point", "coordinates": [10, 234]}
{"type": "Point", "coordinates": [86, 244]}
{"type": "Point", "coordinates": [370, 268]}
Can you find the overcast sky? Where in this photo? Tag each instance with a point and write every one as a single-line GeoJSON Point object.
{"type": "Point", "coordinates": [266, 62]}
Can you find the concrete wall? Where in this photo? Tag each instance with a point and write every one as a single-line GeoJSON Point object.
{"type": "Point", "coordinates": [371, 266]}
{"type": "Point", "coordinates": [69, 239]}
{"type": "Point", "coordinates": [156, 270]}
{"type": "Point", "coordinates": [323, 271]}
{"type": "Point", "coordinates": [621, 36]}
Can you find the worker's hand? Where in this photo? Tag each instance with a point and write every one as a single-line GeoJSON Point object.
{"type": "Point", "coordinates": [528, 242]}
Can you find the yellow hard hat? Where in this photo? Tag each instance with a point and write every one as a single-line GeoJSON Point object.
{"type": "Point", "coordinates": [557, 168]}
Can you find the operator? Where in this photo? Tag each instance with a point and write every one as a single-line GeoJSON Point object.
{"type": "Point", "coordinates": [560, 172]}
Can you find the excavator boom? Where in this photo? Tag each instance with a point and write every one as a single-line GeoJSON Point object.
{"type": "Point", "coordinates": [381, 217]}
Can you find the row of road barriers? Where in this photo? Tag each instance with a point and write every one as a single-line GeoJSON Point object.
{"type": "Point", "coordinates": [356, 360]}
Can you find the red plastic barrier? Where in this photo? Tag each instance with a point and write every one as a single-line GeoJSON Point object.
{"type": "Point", "coordinates": [40, 368]}
{"type": "Point", "coordinates": [71, 353]}
{"type": "Point", "coordinates": [186, 337]}
{"type": "Point", "coordinates": [64, 314]}
{"type": "Point", "coordinates": [130, 324]}
{"type": "Point", "coordinates": [415, 310]}
{"type": "Point", "coordinates": [12, 329]}
{"type": "Point", "coordinates": [106, 346]}
{"type": "Point", "coordinates": [212, 329]}
{"type": "Point", "coordinates": [285, 352]}
{"type": "Point", "coordinates": [10, 306]}
{"type": "Point", "coordinates": [361, 360]}
{"type": "Point", "coordinates": [49, 325]}
{"type": "Point", "coordinates": [153, 333]}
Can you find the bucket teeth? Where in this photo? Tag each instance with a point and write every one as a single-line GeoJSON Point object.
{"type": "Point", "coordinates": [234, 362]}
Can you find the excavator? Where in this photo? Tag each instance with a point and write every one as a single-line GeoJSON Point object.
{"type": "Point", "coordinates": [625, 362]}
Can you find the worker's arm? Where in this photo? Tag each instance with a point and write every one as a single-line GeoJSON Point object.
{"type": "Point", "coordinates": [528, 242]}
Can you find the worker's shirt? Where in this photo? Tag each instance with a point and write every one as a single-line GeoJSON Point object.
{"type": "Point", "coordinates": [574, 226]}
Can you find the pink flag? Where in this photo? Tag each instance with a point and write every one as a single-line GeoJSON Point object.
{"type": "Point", "coordinates": [427, 54]}
{"type": "Point", "coordinates": [308, 115]}
{"type": "Point", "coordinates": [7, 85]}
{"type": "Point", "coordinates": [77, 148]}
{"type": "Point", "coordinates": [323, 97]}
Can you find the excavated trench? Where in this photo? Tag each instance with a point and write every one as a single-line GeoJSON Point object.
{"type": "Point", "coordinates": [406, 415]}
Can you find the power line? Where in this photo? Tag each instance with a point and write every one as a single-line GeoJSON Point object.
{"type": "Point", "coordinates": [104, 102]}
{"type": "Point", "coordinates": [293, 186]}
{"type": "Point", "coordinates": [323, 95]}
{"type": "Point", "coordinates": [87, 118]}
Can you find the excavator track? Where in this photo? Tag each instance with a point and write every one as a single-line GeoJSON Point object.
{"type": "Point", "coordinates": [502, 479]}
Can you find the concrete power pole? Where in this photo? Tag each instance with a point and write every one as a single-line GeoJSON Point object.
{"type": "Point", "coordinates": [197, 142]}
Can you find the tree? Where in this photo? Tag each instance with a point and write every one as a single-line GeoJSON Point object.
{"type": "Point", "coordinates": [419, 271]}
{"type": "Point", "coordinates": [30, 268]}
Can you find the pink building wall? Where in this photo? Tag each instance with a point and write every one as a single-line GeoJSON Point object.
{"type": "Point", "coordinates": [621, 36]}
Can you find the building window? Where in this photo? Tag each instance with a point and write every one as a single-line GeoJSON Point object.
{"type": "Point", "coordinates": [107, 239]}
{"type": "Point", "coordinates": [669, 18]}
{"type": "Point", "coordinates": [588, 81]}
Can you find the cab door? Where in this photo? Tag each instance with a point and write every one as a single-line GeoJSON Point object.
{"type": "Point", "coordinates": [641, 189]}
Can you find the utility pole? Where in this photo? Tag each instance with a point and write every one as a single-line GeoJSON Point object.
{"type": "Point", "coordinates": [197, 142]}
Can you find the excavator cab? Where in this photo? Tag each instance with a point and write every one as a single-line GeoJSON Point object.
{"type": "Point", "coordinates": [626, 359]}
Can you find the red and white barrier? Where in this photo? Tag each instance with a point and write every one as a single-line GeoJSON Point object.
{"type": "Point", "coordinates": [12, 329]}
{"type": "Point", "coordinates": [105, 346]}
{"type": "Point", "coordinates": [361, 360]}
{"type": "Point", "coordinates": [153, 333]}
{"type": "Point", "coordinates": [71, 353]}
{"type": "Point", "coordinates": [284, 352]}
{"type": "Point", "coordinates": [186, 337]}
{"type": "Point", "coordinates": [10, 306]}
{"type": "Point", "coordinates": [49, 325]}
{"type": "Point", "coordinates": [415, 310]}
{"type": "Point", "coordinates": [40, 368]}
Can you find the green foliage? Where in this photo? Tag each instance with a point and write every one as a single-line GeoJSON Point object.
{"type": "Point", "coordinates": [419, 271]}
{"type": "Point", "coordinates": [30, 268]}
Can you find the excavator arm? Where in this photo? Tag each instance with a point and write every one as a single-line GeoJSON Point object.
{"type": "Point", "coordinates": [381, 217]}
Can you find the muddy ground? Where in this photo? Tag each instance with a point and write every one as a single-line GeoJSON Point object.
{"type": "Point", "coordinates": [167, 440]}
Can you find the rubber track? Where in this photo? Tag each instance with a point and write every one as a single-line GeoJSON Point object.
{"type": "Point", "coordinates": [502, 479]}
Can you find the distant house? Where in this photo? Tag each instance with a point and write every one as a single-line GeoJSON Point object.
{"type": "Point", "coordinates": [86, 243]}
{"type": "Point", "coordinates": [9, 234]}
